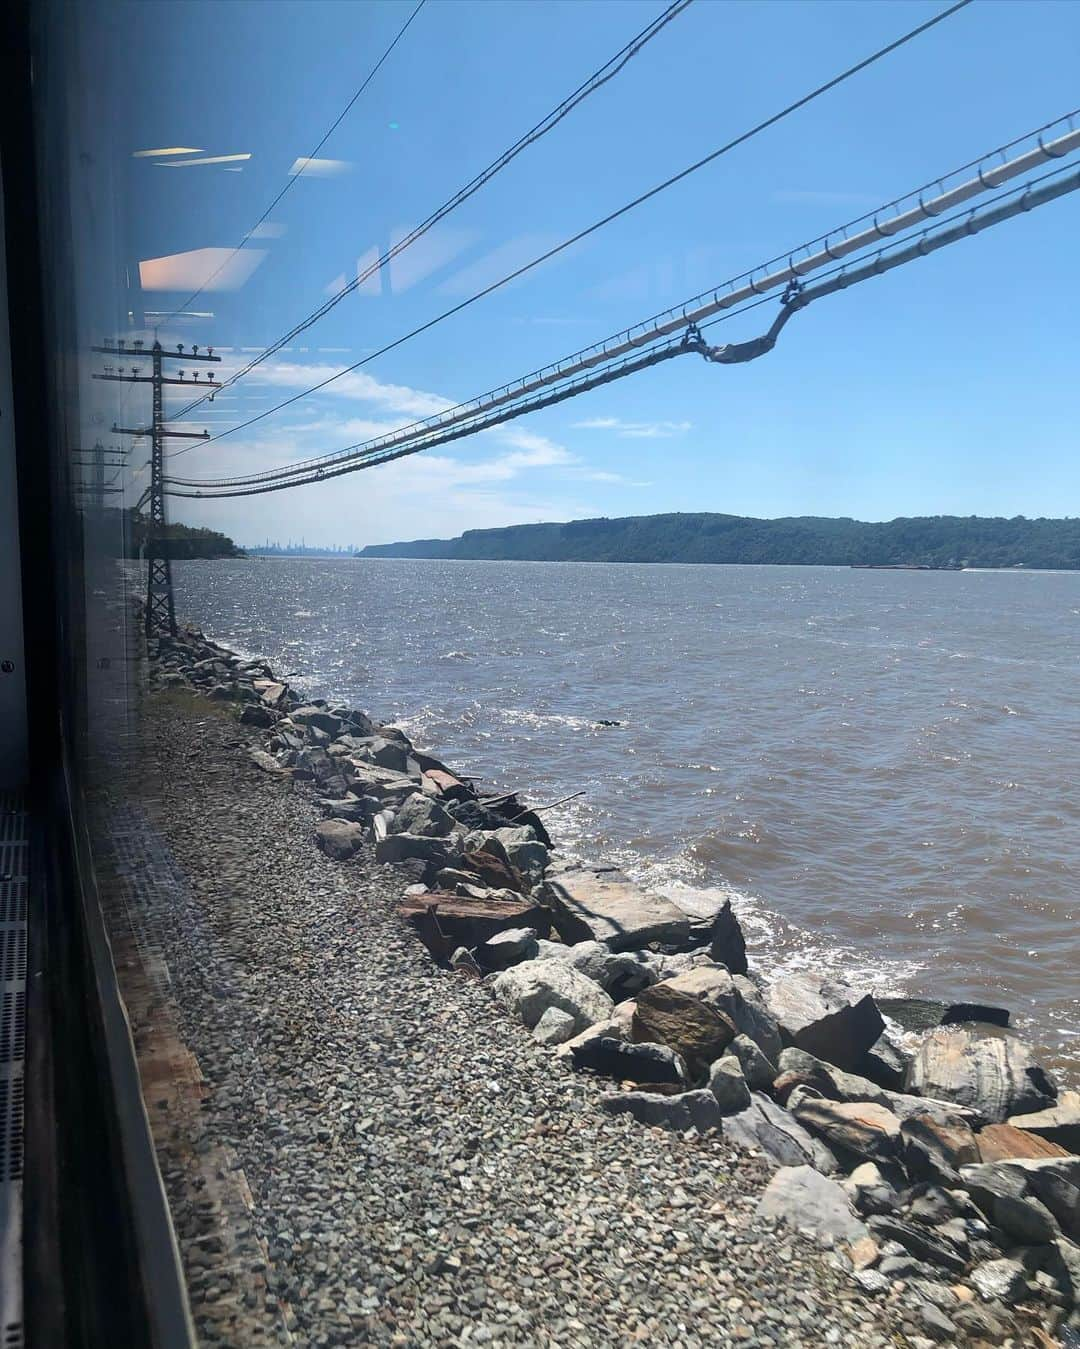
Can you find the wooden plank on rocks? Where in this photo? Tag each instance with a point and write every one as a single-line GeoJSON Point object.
{"type": "Point", "coordinates": [445, 921]}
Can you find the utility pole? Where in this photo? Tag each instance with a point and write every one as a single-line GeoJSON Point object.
{"type": "Point", "coordinates": [160, 610]}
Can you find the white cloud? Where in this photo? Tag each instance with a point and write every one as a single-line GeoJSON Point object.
{"type": "Point", "coordinates": [634, 430]}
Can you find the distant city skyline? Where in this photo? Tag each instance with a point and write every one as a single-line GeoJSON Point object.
{"type": "Point", "coordinates": [935, 390]}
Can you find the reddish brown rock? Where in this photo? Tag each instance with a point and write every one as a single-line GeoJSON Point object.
{"type": "Point", "coordinates": [495, 873]}
{"type": "Point", "coordinates": [936, 1146]}
{"type": "Point", "coordinates": [1003, 1142]}
{"type": "Point", "coordinates": [444, 922]}
{"type": "Point", "coordinates": [700, 1033]}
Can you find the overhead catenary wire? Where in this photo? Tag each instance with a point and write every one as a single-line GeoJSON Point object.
{"type": "Point", "coordinates": [734, 294]}
{"type": "Point", "coordinates": [983, 163]}
{"type": "Point", "coordinates": [596, 81]}
{"type": "Point", "coordinates": [639, 200]}
{"type": "Point", "coordinates": [292, 179]}
{"type": "Point", "coordinates": [1024, 198]}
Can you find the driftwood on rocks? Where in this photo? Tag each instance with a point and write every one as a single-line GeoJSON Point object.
{"type": "Point", "coordinates": [445, 922]}
{"type": "Point", "coordinates": [994, 1074]}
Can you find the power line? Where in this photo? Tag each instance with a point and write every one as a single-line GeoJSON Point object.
{"type": "Point", "coordinates": [613, 215]}
{"type": "Point", "coordinates": [596, 80]}
{"type": "Point", "coordinates": [963, 225]}
{"type": "Point", "coordinates": [289, 182]}
{"type": "Point", "coordinates": [797, 263]}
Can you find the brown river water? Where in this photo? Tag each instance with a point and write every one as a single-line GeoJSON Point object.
{"type": "Point", "coordinates": [882, 766]}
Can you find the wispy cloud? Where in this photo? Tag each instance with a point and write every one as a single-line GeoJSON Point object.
{"type": "Point", "coordinates": [634, 430]}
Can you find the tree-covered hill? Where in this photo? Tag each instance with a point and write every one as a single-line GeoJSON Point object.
{"type": "Point", "coordinates": [936, 540]}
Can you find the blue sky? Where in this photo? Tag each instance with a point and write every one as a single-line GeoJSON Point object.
{"type": "Point", "coordinates": [947, 387]}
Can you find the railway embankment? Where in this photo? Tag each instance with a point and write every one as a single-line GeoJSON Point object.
{"type": "Point", "coordinates": [486, 1093]}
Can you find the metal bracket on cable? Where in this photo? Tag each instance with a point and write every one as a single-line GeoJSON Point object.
{"type": "Point", "coordinates": [737, 353]}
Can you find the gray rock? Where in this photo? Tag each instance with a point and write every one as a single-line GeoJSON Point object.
{"type": "Point", "coordinates": [757, 1069]}
{"type": "Point", "coordinates": [936, 1324]}
{"type": "Point", "coordinates": [801, 1197]}
{"type": "Point", "coordinates": [529, 989]}
{"type": "Point", "coordinates": [825, 1018]}
{"type": "Point", "coordinates": [309, 715]}
{"type": "Point", "coordinates": [885, 1064]}
{"type": "Point", "coordinates": [687, 1110]}
{"type": "Point", "coordinates": [918, 1241]}
{"type": "Point", "coordinates": [463, 960]}
{"type": "Point", "coordinates": [769, 1128]}
{"type": "Point", "coordinates": [524, 852]}
{"type": "Point", "coordinates": [600, 903]}
{"type": "Point", "coordinates": [871, 1281]}
{"type": "Point", "coordinates": [339, 839]}
{"type": "Point", "coordinates": [436, 852]}
{"type": "Point", "coordinates": [385, 753]}
{"type": "Point", "coordinates": [357, 810]}
{"type": "Point", "coordinates": [726, 942]}
{"type": "Point", "coordinates": [419, 814]}
{"type": "Point", "coordinates": [1000, 1281]}
{"type": "Point", "coordinates": [265, 761]}
{"type": "Point", "coordinates": [1063, 1266]}
{"type": "Point", "coordinates": [728, 1085]}
{"type": "Point", "coordinates": [994, 1074]}
{"type": "Point", "coordinates": [753, 1018]}
{"type": "Point", "coordinates": [507, 948]}
{"type": "Point", "coordinates": [621, 973]}
{"type": "Point", "coordinates": [1059, 1124]}
{"type": "Point", "coordinates": [614, 1057]}
{"type": "Point", "coordinates": [555, 1027]}
{"type": "Point", "coordinates": [254, 715]}
{"type": "Point", "coordinates": [1016, 1195]}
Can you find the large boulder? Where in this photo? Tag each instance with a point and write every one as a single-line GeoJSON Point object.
{"type": "Point", "coordinates": [419, 814]}
{"type": "Point", "coordinates": [686, 1110]}
{"type": "Point", "coordinates": [824, 1017]}
{"type": "Point", "coordinates": [434, 852]}
{"type": "Point", "coordinates": [994, 1074]}
{"type": "Point", "coordinates": [696, 1031]}
{"type": "Point", "coordinates": [726, 942]}
{"type": "Point", "coordinates": [805, 1199]}
{"type": "Point", "coordinates": [859, 1127]}
{"type": "Point", "coordinates": [531, 988]}
{"type": "Point", "coordinates": [495, 872]}
{"type": "Point", "coordinates": [620, 973]}
{"type": "Point", "coordinates": [1059, 1124]}
{"type": "Point", "coordinates": [600, 903]}
{"type": "Point", "coordinates": [733, 995]}
{"type": "Point", "coordinates": [1054, 1183]}
{"type": "Point", "coordinates": [525, 853]}
{"type": "Point", "coordinates": [309, 715]}
{"type": "Point", "coordinates": [1000, 1142]}
{"type": "Point", "coordinates": [507, 948]}
{"type": "Point", "coordinates": [339, 839]}
{"type": "Point", "coordinates": [936, 1148]}
{"type": "Point", "coordinates": [612, 1057]}
{"type": "Point", "coordinates": [767, 1127]}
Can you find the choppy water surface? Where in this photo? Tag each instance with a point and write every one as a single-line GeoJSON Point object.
{"type": "Point", "coordinates": [884, 765]}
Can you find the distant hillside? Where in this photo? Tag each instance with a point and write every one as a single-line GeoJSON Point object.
{"type": "Point", "coordinates": [127, 530]}
{"type": "Point", "coordinates": [935, 540]}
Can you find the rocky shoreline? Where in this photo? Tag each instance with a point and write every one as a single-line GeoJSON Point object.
{"type": "Point", "coordinates": [941, 1178]}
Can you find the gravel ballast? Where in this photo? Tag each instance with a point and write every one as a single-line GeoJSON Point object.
{"type": "Point", "coordinates": [422, 1171]}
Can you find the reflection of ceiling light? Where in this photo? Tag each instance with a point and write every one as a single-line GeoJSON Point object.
{"type": "Point", "coordinates": [187, 314]}
{"type": "Point", "coordinates": [172, 150]}
{"type": "Point", "coordinates": [206, 159]}
{"type": "Point", "coordinates": [319, 168]}
{"type": "Point", "coordinates": [206, 268]}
